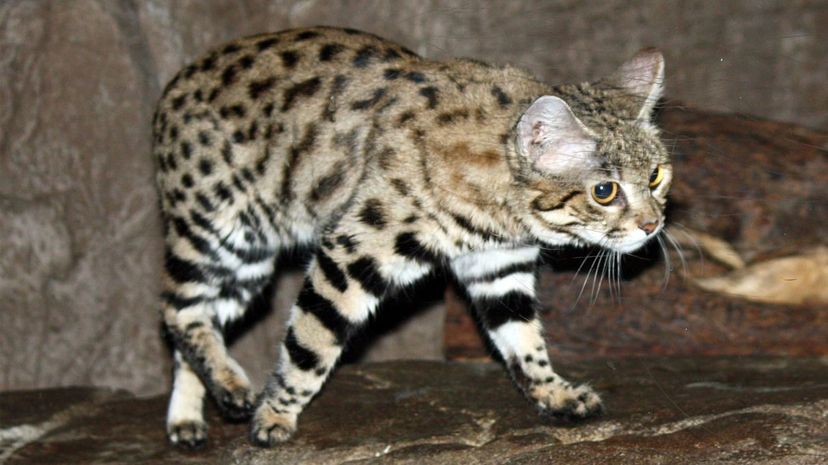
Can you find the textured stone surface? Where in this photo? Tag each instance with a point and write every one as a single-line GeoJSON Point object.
{"type": "Point", "coordinates": [80, 245]}
{"type": "Point", "coordinates": [680, 411]}
{"type": "Point", "coordinates": [759, 185]}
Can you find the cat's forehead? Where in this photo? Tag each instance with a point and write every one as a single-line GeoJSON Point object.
{"type": "Point", "coordinates": [611, 114]}
{"type": "Point", "coordinates": [630, 146]}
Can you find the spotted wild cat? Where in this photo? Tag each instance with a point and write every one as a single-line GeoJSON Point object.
{"type": "Point", "coordinates": [388, 166]}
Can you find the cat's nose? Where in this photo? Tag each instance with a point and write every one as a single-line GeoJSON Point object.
{"type": "Point", "coordinates": [648, 227]}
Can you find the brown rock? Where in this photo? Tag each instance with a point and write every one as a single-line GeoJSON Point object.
{"type": "Point", "coordinates": [748, 410]}
{"type": "Point", "coordinates": [80, 249]}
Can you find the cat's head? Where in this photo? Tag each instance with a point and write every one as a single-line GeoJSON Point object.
{"type": "Point", "coordinates": [594, 167]}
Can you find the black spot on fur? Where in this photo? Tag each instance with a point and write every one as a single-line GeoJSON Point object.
{"type": "Point", "coordinates": [392, 73]}
{"type": "Point", "coordinates": [228, 76]}
{"type": "Point", "coordinates": [205, 166]}
{"type": "Point", "coordinates": [347, 242]}
{"type": "Point", "coordinates": [204, 138]}
{"type": "Point", "coordinates": [289, 58]}
{"type": "Point", "coordinates": [208, 63]}
{"type": "Point", "coordinates": [405, 117]}
{"type": "Point", "coordinates": [407, 245]}
{"type": "Point", "coordinates": [186, 150]}
{"type": "Point", "coordinates": [369, 102]}
{"type": "Point", "coordinates": [391, 55]}
{"type": "Point", "coordinates": [366, 273]}
{"type": "Point", "coordinates": [187, 180]}
{"type": "Point", "coordinates": [415, 76]}
{"type": "Point", "coordinates": [171, 163]}
{"type": "Point", "coordinates": [173, 133]}
{"type": "Point", "coordinates": [179, 101]}
{"type": "Point", "coordinates": [451, 117]}
{"type": "Point", "coordinates": [305, 35]}
{"type": "Point", "coordinates": [503, 99]}
{"type": "Point", "coordinates": [204, 202]}
{"type": "Point", "coordinates": [326, 186]}
{"type": "Point", "coordinates": [304, 145]}
{"type": "Point", "coordinates": [329, 51]}
{"type": "Point", "coordinates": [364, 56]}
{"type": "Point", "coordinates": [246, 62]}
{"type": "Point", "coordinates": [305, 88]}
{"type": "Point", "coordinates": [338, 86]}
{"type": "Point", "coordinates": [372, 214]}
{"type": "Point", "coordinates": [432, 94]}
{"type": "Point", "coordinates": [400, 186]}
{"type": "Point", "coordinates": [232, 48]}
{"type": "Point", "coordinates": [238, 136]}
{"type": "Point", "coordinates": [266, 43]}
{"type": "Point", "coordinates": [268, 109]}
{"type": "Point", "coordinates": [253, 130]}
{"type": "Point", "coordinates": [236, 110]}
{"type": "Point", "coordinates": [227, 152]}
{"type": "Point", "coordinates": [256, 88]}
{"type": "Point", "coordinates": [222, 192]}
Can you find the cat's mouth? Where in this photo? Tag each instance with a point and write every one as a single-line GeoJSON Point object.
{"type": "Point", "coordinates": [626, 243]}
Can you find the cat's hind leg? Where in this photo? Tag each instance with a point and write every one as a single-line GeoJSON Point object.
{"type": "Point", "coordinates": [501, 285]}
{"type": "Point", "coordinates": [185, 415]}
{"type": "Point", "coordinates": [210, 278]}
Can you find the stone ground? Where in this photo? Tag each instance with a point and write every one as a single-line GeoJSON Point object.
{"type": "Point", "coordinates": [745, 410]}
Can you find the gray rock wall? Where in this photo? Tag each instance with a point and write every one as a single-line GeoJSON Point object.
{"type": "Point", "coordinates": [79, 233]}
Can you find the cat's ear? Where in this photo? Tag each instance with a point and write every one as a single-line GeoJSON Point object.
{"type": "Point", "coordinates": [642, 76]}
{"type": "Point", "coordinates": [554, 139]}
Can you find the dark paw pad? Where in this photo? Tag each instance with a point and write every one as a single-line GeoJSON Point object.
{"type": "Point", "coordinates": [190, 434]}
{"type": "Point", "coordinates": [236, 405]}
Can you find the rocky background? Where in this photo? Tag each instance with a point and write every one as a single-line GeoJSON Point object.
{"type": "Point", "coordinates": [79, 231]}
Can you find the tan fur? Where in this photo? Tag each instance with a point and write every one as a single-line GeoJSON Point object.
{"type": "Point", "coordinates": [389, 166]}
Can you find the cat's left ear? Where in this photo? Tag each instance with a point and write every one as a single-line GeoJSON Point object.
{"type": "Point", "coordinates": [554, 140]}
{"type": "Point", "coordinates": [642, 77]}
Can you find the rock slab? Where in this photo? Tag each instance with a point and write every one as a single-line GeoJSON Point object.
{"type": "Point", "coordinates": [740, 410]}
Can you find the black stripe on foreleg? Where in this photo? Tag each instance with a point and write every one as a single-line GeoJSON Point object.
{"type": "Point", "coordinates": [332, 272]}
{"type": "Point", "coordinates": [512, 306]}
{"type": "Point", "coordinates": [302, 357]}
{"type": "Point", "coordinates": [324, 310]}
{"type": "Point", "coordinates": [366, 273]}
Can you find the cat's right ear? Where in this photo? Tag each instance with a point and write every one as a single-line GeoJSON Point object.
{"type": "Point", "coordinates": [642, 77]}
{"type": "Point", "coordinates": [553, 139]}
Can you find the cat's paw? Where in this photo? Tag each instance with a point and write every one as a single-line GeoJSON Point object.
{"type": "Point", "coordinates": [563, 401]}
{"type": "Point", "coordinates": [270, 427]}
{"type": "Point", "coordinates": [236, 404]}
{"type": "Point", "coordinates": [189, 434]}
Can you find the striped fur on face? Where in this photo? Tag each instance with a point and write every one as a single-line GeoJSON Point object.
{"type": "Point", "coordinates": [388, 166]}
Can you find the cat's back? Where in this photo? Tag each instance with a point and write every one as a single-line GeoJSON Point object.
{"type": "Point", "coordinates": [294, 118]}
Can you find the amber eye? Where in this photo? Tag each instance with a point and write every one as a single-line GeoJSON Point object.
{"type": "Point", "coordinates": [605, 192]}
{"type": "Point", "coordinates": [656, 177]}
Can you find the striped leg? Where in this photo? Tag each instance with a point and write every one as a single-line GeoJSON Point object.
{"type": "Point", "coordinates": [209, 282]}
{"type": "Point", "coordinates": [341, 291]}
{"type": "Point", "coordinates": [501, 284]}
{"type": "Point", "coordinates": [328, 309]}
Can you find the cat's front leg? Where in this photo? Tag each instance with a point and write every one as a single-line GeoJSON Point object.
{"type": "Point", "coordinates": [501, 285]}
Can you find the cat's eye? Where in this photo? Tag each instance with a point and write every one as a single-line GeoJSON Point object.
{"type": "Point", "coordinates": [656, 176]}
{"type": "Point", "coordinates": [605, 192]}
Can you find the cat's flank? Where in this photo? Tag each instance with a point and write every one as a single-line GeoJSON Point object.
{"type": "Point", "coordinates": [389, 166]}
